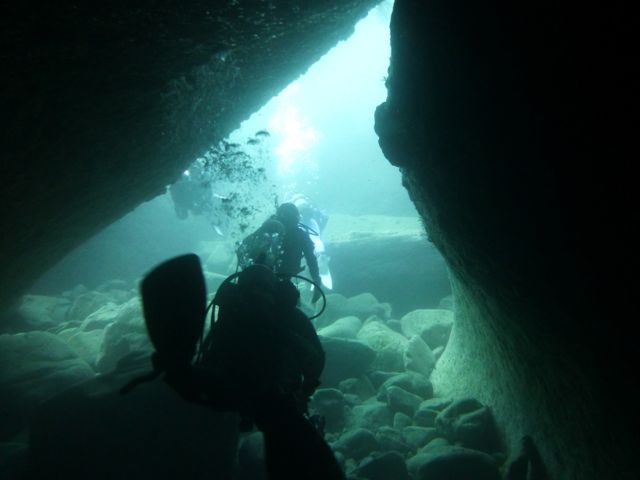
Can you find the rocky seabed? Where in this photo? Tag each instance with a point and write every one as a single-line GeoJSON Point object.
{"type": "Point", "coordinates": [382, 418]}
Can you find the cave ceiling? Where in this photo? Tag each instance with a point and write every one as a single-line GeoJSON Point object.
{"type": "Point", "coordinates": [104, 104]}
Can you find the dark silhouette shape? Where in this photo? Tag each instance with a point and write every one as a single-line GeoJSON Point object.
{"type": "Point", "coordinates": [310, 215]}
{"type": "Point", "coordinates": [261, 358]}
{"type": "Point", "coordinates": [281, 242]}
{"type": "Point", "coordinates": [191, 192]}
{"type": "Point", "coordinates": [263, 247]}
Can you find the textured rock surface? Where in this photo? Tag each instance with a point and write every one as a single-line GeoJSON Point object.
{"type": "Point", "coordinates": [418, 357]}
{"type": "Point", "coordinates": [362, 305]}
{"type": "Point", "coordinates": [511, 126]}
{"type": "Point", "coordinates": [103, 105]}
{"type": "Point", "coordinates": [388, 345]}
{"type": "Point", "coordinates": [33, 367]}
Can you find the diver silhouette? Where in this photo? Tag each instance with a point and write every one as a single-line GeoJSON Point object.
{"type": "Point", "coordinates": [281, 243]}
{"type": "Point", "coordinates": [261, 357]}
{"type": "Point", "coordinates": [191, 193]}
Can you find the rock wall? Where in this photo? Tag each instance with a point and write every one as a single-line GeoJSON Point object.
{"type": "Point", "coordinates": [103, 105]}
{"type": "Point", "coordinates": [510, 124]}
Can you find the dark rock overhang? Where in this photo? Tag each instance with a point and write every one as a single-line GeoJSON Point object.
{"type": "Point", "coordinates": [513, 126]}
{"type": "Point", "coordinates": [103, 104]}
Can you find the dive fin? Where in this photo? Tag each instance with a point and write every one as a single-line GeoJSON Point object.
{"type": "Point", "coordinates": [174, 302]}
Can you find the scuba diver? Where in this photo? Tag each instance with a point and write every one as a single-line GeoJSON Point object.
{"type": "Point", "coordinates": [281, 243]}
{"type": "Point", "coordinates": [314, 220]}
{"type": "Point", "coordinates": [191, 193]}
{"type": "Point", "coordinates": [261, 357]}
{"type": "Point", "coordinates": [310, 215]}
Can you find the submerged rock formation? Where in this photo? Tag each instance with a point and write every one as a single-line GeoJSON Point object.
{"type": "Point", "coordinates": [103, 105]}
{"type": "Point", "coordinates": [508, 122]}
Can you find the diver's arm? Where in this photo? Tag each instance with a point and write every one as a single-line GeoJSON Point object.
{"type": "Point", "coordinates": [310, 258]}
{"type": "Point", "coordinates": [312, 264]}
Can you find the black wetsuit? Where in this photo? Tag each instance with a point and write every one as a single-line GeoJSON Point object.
{"type": "Point", "coordinates": [295, 245]}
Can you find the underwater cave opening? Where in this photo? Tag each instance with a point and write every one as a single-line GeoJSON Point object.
{"type": "Point", "coordinates": [388, 286]}
{"type": "Point", "coordinates": [313, 140]}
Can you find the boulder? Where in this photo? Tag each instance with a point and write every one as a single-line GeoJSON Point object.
{"type": "Point", "coordinates": [428, 411]}
{"type": "Point", "coordinates": [365, 305]}
{"type": "Point", "coordinates": [378, 377]}
{"type": "Point", "coordinates": [436, 403]}
{"type": "Point", "coordinates": [40, 312]}
{"type": "Point", "coordinates": [33, 367]}
{"type": "Point", "coordinates": [371, 415]}
{"type": "Point", "coordinates": [345, 327]}
{"type": "Point", "coordinates": [469, 423]}
{"type": "Point", "coordinates": [114, 285]}
{"type": "Point", "coordinates": [418, 436]}
{"type": "Point", "coordinates": [86, 344]}
{"type": "Point", "coordinates": [433, 325]}
{"type": "Point", "coordinates": [360, 387]}
{"type": "Point", "coordinates": [401, 420]}
{"type": "Point", "coordinates": [344, 359]}
{"type": "Point", "coordinates": [388, 345]}
{"type": "Point", "coordinates": [388, 465]}
{"type": "Point", "coordinates": [400, 400]}
{"type": "Point", "coordinates": [415, 462]}
{"type": "Point", "coordinates": [394, 325]}
{"type": "Point", "coordinates": [425, 417]}
{"type": "Point", "coordinates": [330, 403]}
{"type": "Point", "coordinates": [85, 304]}
{"type": "Point", "coordinates": [356, 443]}
{"type": "Point", "coordinates": [391, 439]}
{"type": "Point", "coordinates": [120, 291]}
{"type": "Point", "coordinates": [75, 292]}
{"type": "Point", "coordinates": [418, 357]}
{"type": "Point", "coordinates": [127, 333]}
{"type": "Point", "coordinates": [447, 462]}
{"type": "Point", "coordinates": [412, 382]}
{"type": "Point", "coordinates": [436, 442]}
{"type": "Point", "coordinates": [334, 310]}
{"type": "Point", "coordinates": [362, 306]}
{"type": "Point", "coordinates": [101, 318]}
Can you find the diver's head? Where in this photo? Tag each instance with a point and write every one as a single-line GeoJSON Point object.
{"type": "Point", "coordinates": [301, 202]}
{"type": "Point", "coordinates": [272, 227]}
{"type": "Point", "coordinates": [288, 214]}
{"type": "Point", "coordinates": [259, 281]}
